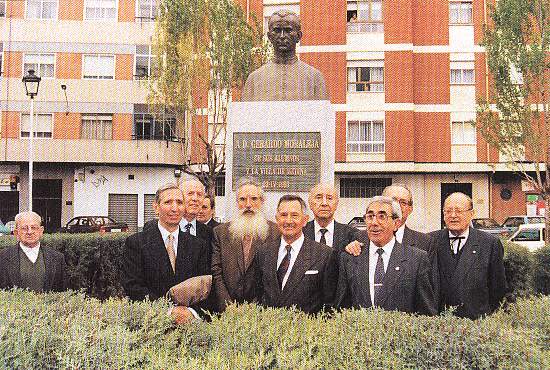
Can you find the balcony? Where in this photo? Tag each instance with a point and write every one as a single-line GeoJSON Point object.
{"type": "Point", "coordinates": [93, 151]}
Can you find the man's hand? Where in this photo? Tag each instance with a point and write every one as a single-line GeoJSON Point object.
{"type": "Point", "coordinates": [354, 248]}
{"type": "Point", "coordinates": [182, 315]}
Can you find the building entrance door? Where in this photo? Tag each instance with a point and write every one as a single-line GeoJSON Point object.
{"type": "Point", "coordinates": [453, 187]}
{"type": "Point", "coordinates": [46, 201]}
{"type": "Point", "coordinates": [9, 205]}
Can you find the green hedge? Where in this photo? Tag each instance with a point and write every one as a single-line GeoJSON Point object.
{"type": "Point", "coordinates": [94, 261]}
{"type": "Point", "coordinates": [68, 330]}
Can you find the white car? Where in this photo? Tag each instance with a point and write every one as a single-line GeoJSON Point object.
{"type": "Point", "coordinates": [530, 236]}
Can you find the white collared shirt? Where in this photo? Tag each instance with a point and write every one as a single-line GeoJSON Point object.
{"type": "Point", "coordinates": [193, 229]}
{"type": "Point", "coordinates": [454, 243]}
{"type": "Point", "coordinates": [32, 253]}
{"type": "Point", "coordinates": [399, 234]}
{"type": "Point", "coordinates": [294, 250]}
{"type": "Point", "coordinates": [329, 235]}
{"type": "Point", "coordinates": [165, 234]}
{"type": "Point", "coordinates": [373, 258]}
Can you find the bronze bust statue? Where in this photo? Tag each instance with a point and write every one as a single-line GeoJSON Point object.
{"type": "Point", "coordinates": [285, 77]}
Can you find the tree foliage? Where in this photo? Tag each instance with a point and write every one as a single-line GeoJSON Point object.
{"type": "Point", "coordinates": [515, 119]}
{"type": "Point", "coordinates": [203, 46]}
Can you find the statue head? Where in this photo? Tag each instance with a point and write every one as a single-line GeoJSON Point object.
{"type": "Point", "coordinates": [284, 33]}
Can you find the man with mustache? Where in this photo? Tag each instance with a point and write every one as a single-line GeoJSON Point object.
{"type": "Point", "coordinates": [235, 244]}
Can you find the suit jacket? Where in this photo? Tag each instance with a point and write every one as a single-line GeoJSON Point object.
{"type": "Point", "coordinates": [416, 239]}
{"type": "Point", "coordinates": [54, 262]}
{"type": "Point", "coordinates": [309, 292]}
{"type": "Point", "coordinates": [406, 285]}
{"type": "Point", "coordinates": [146, 269]}
{"type": "Point", "coordinates": [343, 234]}
{"type": "Point", "coordinates": [212, 223]}
{"type": "Point", "coordinates": [476, 283]}
{"type": "Point", "coordinates": [231, 280]}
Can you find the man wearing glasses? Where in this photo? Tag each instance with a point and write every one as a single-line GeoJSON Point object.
{"type": "Point", "coordinates": [471, 267]}
{"type": "Point", "coordinates": [30, 265]}
{"type": "Point", "coordinates": [385, 274]}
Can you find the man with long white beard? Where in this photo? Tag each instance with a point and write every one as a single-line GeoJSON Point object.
{"type": "Point", "coordinates": [235, 244]}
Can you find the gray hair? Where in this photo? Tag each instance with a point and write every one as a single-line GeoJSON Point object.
{"type": "Point", "coordinates": [243, 181]}
{"type": "Point", "coordinates": [31, 214]}
{"type": "Point", "coordinates": [395, 208]}
{"type": "Point", "coordinates": [186, 183]}
{"type": "Point", "coordinates": [163, 188]}
{"type": "Point", "coordinates": [398, 185]}
{"type": "Point", "coordinates": [283, 13]}
{"type": "Point", "coordinates": [291, 198]}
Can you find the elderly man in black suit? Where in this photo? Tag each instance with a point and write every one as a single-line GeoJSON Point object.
{"type": "Point", "coordinates": [193, 196]}
{"type": "Point", "coordinates": [162, 256]}
{"type": "Point", "coordinates": [471, 267]}
{"type": "Point", "coordinates": [386, 274]}
{"type": "Point", "coordinates": [323, 201]}
{"type": "Point", "coordinates": [293, 270]}
{"type": "Point", "coordinates": [29, 264]}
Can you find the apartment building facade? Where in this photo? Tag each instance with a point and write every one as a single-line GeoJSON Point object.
{"type": "Point", "coordinates": [403, 78]}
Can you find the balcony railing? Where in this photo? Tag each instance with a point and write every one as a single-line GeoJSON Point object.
{"type": "Point", "coordinates": [365, 27]}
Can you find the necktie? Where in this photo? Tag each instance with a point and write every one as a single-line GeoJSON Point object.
{"type": "Point", "coordinates": [188, 228]}
{"type": "Point", "coordinates": [247, 246]}
{"type": "Point", "coordinates": [283, 267]}
{"type": "Point", "coordinates": [323, 240]}
{"type": "Point", "coordinates": [170, 250]}
{"type": "Point", "coordinates": [378, 275]}
{"type": "Point", "coordinates": [453, 239]}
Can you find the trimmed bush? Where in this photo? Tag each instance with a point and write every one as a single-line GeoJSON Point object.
{"type": "Point", "coordinates": [518, 265]}
{"type": "Point", "coordinates": [68, 330]}
{"type": "Point", "coordinates": [542, 270]}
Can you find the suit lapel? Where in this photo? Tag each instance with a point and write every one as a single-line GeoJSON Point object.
{"type": "Point", "coordinates": [337, 236]}
{"type": "Point", "coordinates": [468, 254]}
{"type": "Point", "coordinates": [407, 238]}
{"type": "Point", "coordinates": [158, 251]}
{"type": "Point", "coordinates": [13, 266]}
{"type": "Point", "coordinates": [392, 272]}
{"type": "Point", "coordinates": [48, 264]}
{"type": "Point", "coordinates": [361, 270]}
{"type": "Point", "coordinates": [301, 264]}
{"type": "Point", "coordinates": [309, 230]}
{"type": "Point", "coordinates": [444, 246]}
{"type": "Point", "coordinates": [271, 253]}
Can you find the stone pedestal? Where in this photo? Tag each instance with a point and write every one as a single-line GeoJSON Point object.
{"type": "Point", "coordinates": [287, 145]}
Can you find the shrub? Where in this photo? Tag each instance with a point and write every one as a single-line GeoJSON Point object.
{"type": "Point", "coordinates": [542, 270]}
{"type": "Point", "coordinates": [68, 330]}
{"type": "Point", "coordinates": [518, 265]}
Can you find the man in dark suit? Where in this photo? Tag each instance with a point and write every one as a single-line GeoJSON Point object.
{"type": "Point", "coordinates": [292, 270]}
{"type": "Point", "coordinates": [162, 256]}
{"type": "Point", "coordinates": [207, 210]}
{"type": "Point", "coordinates": [470, 262]}
{"type": "Point", "coordinates": [235, 245]}
{"type": "Point", "coordinates": [386, 274]}
{"type": "Point", "coordinates": [323, 201]}
{"type": "Point", "coordinates": [30, 265]}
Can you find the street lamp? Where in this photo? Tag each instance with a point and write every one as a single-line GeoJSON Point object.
{"type": "Point", "coordinates": [31, 88]}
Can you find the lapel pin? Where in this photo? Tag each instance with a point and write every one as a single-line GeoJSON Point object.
{"type": "Point", "coordinates": [474, 252]}
{"type": "Point", "coordinates": [397, 268]}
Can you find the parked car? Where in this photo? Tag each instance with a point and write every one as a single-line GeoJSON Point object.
{"type": "Point", "coordinates": [92, 224]}
{"type": "Point", "coordinates": [490, 226]}
{"type": "Point", "coordinates": [4, 229]}
{"type": "Point", "coordinates": [530, 236]}
{"type": "Point", "coordinates": [358, 222]}
{"type": "Point", "coordinates": [512, 223]}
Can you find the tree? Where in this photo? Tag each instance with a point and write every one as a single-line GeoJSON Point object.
{"type": "Point", "coordinates": [516, 118]}
{"type": "Point", "coordinates": [205, 51]}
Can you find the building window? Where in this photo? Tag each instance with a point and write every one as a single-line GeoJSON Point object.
{"type": "Point", "coordinates": [2, 8]}
{"type": "Point", "coordinates": [365, 16]}
{"type": "Point", "coordinates": [463, 133]}
{"type": "Point", "coordinates": [460, 12]}
{"type": "Point", "coordinates": [100, 9]}
{"type": "Point", "coordinates": [100, 67]}
{"type": "Point", "coordinates": [360, 187]}
{"type": "Point", "coordinates": [149, 126]}
{"type": "Point", "coordinates": [97, 126]}
{"type": "Point", "coordinates": [365, 79]}
{"type": "Point", "coordinates": [145, 65]}
{"type": "Point", "coordinates": [1, 57]}
{"type": "Point", "coordinates": [462, 76]}
{"type": "Point", "coordinates": [42, 9]}
{"type": "Point", "coordinates": [42, 64]}
{"type": "Point", "coordinates": [220, 186]}
{"type": "Point", "coordinates": [42, 125]}
{"type": "Point", "coordinates": [146, 10]}
{"type": "Point", "coordinates": [365, 137]}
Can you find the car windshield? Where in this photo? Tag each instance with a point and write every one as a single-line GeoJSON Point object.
{"type": "Point", "coordinates": [536, 220]}
{"type": "Point", "coordinates": [485, 222]}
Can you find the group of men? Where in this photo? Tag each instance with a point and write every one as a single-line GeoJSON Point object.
{"type": "Point", "coordinates": [310, 264]}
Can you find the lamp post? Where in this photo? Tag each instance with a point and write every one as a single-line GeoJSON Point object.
{"type": "Point", "coordinates": [31, 88]}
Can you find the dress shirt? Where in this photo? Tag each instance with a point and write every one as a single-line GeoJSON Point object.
{"type": "Point", "coordinates": [32, 253]}
{"type": "Point", "coordinates": [462, 241]}
{"type": "Point", "coordinates": [294, 250]}
{"type": "Point", "coordinates": [329, 235]}
{"type": "Point", "coordinates": [193, 229]}
{"type": "Point", "coordinates": [165, 234]}
{"type": "Point", "coordinates": [399, 234]}
{"type": "Point", "coordinates": [373, 258]}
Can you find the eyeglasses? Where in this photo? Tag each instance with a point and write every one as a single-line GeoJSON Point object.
{"type": "Point", "coordinates": [381, 217]}
{"type": "Point", "coordinates": [402, 202]}
{"type": "Point", "coordinates": [457, 211]}
{"type": "Point", "coordinates": [29, 228]}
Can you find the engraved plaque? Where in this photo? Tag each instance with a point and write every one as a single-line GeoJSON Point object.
{"type": "Point", "coordinates": [281, 161]}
